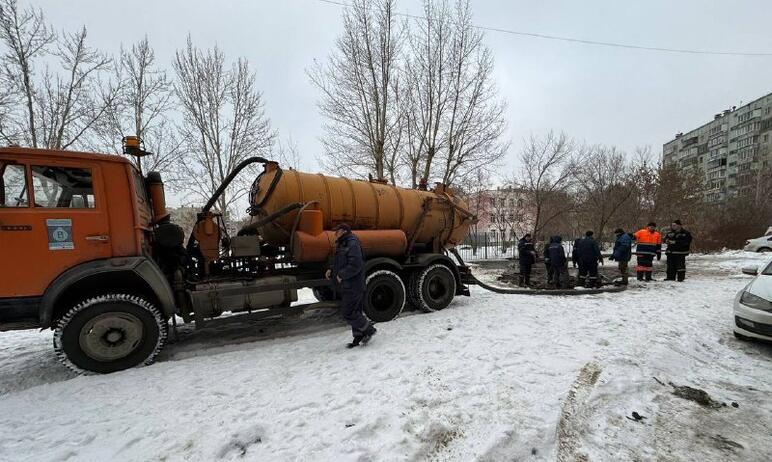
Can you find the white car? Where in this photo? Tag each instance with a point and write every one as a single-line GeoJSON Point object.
{"type": "Point", "coordinates": [753, 306]}
{"type": "Point", "coordinates": [760, 244]}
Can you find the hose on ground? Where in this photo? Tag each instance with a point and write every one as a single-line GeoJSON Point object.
{"type": "Point", "coordinates": [502, 290]}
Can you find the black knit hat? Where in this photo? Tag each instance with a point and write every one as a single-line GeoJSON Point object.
{"type": "Point", "coordinates": [589, 233]}
{"type": "Point", "coordinates": [619, 231]}
{"type": "Point", "coordinates": [678, 222]}
{"type": "Point", "coordinates": [651, 223]}
{"type": "Point", "coordinates": [343, 227]}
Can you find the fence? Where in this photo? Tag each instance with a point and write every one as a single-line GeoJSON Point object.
{"type": "Point", "coordinates": [487, 246]}
{"type": "Point", "coordinates": [492, 246]}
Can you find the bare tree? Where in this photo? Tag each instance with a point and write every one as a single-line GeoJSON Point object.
{"type": "Point", "coordinates": [455, 120]}
{"type": "Point", "coordinates": [27, 38]}
{"type": "Point", "coordinates": [604, 185]}
{"type": "Point", "coordinates": [288, 153]}
{"type": "Point", "coordinates": [359, 84]}
{"type": "Point", "coordinates": [54, 109]}
{"type": "Point", "coordinates": [142, 108]}
{"type": "Point", "coordinates": [8, 132]}
{"type": "Point", "coordinates": [72, 104]}
{"type": "Point", "coordinates": [545, 175]}
{"type": "Point", "coordinates": [475, 122]}
{"type": "Point", "coordinates": [224, 121]}
{"type": "Point", "coordinates": [427, 90]}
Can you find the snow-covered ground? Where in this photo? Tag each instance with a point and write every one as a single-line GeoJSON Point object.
{"type": "Point", "coordinates": [493, 377]}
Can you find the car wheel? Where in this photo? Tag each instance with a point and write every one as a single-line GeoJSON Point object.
{"type": "Point", "coordinates": [765, 250]}
{"type": "Point", "coordinates": [384, 296]}
{"type": "Point", "coordinates": [109, 333]}
{"type": "Point", "coordinates": [434, 288]}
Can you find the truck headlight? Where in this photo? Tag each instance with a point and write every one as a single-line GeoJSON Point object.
{"type": "Point", "coordinates": [754, 301]}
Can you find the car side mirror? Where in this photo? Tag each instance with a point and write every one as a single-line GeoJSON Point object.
{"type": "Point", "coordinates": [750, 270]}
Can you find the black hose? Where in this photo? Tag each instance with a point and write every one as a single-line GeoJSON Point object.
{"type": "Point", "coordinates": [269, 218]}
{"type": "Point", "coordinates": [227, 181]}
{"type": "Point", "coordinates": [501, 290]}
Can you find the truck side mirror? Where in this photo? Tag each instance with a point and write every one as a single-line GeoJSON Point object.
{"type": "Point", "coordinates": [750, 270]}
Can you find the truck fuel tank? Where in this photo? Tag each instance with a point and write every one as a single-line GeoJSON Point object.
{"type": "Point", "coordinates": [208, 302]}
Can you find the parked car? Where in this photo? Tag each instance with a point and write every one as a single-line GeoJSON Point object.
{"type": "Point", "coordinates": [760, 244]}
{"type": "Point", "coordinates": [753, 305]}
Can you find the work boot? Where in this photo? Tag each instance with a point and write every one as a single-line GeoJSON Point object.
{"type": "Point", "coordinates": [639, 275]}
{"type": "Point", "coordinates": [681, 277]}
{"type": "Point", "coordinates": [648, 276]}
{"type": "Point", "coordinates": [368, 335]}
{"type": "Point", "coordinates": [357, 340]}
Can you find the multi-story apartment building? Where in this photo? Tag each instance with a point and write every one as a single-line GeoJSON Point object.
{"type": "Point", "coordinates": [732, 150]}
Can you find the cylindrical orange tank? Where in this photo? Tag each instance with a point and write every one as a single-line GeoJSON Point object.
{"type": "Point", "coordinates": [436, 218]}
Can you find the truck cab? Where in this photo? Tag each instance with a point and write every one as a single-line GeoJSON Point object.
{"type": "Point", "coordinates": [74, 226]}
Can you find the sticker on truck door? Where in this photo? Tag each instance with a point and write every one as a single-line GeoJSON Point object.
{"type": "Point", "coordinates": [60, 234]}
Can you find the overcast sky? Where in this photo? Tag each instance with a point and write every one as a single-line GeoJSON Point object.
{"type": "Point", "coordinates": [596, 94]}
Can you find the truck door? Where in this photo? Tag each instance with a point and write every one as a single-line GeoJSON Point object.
{"type": "Point", "coordinates": [53, 217]}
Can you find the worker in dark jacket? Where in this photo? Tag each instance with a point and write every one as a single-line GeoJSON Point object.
{"type": "Point", "coordinates": [556, 255]}
{"type": "Point", "coordinates": [574, 255]}
{"type": "Point", "coordinates": [348, 275]}
{"type": "Point", "coordinates": [526, 257]}
{"type": "Point", "coordinates": [546, 253]}
{"type": "Point", "coordinates": [623, 251]}
{"type": "Point", "coordinates": [588, 256]}
{"type": "Point", "coordinates": [678, 241]}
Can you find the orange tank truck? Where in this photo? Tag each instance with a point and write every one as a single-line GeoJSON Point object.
{"type": "Point", "coordinates": [389, 220]}
{"type": "Point", "coordinates": [89, 250]}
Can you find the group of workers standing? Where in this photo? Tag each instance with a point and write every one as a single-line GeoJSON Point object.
{"type": "Point", "coordinates": [586, 255]}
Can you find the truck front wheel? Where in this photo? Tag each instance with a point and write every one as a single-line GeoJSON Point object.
{"type": "Point", "coordinates": [433, 288]}
{"type": "Point", "coordinates": [109, 333]}
{"type": "Point", "coordinates": [384, 296]}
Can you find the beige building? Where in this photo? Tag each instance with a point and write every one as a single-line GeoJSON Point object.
{"type": "Point", "coordinates": [732, 150]}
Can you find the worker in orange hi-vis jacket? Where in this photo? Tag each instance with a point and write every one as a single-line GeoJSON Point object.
{"type": "Point", "coordinates": [648, 245]}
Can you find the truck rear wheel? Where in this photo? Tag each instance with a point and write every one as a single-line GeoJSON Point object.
{"type": "Point", "coordinates": [109, 333]}
{"type": "Point", "coordinates": [384, 296]}
{"type": "Point", "coordinates": [433, 288]}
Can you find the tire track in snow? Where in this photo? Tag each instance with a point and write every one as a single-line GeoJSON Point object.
{"type": "Point", "coordinates": [567, 432]}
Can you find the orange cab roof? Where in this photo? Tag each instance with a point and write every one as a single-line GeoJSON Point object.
{"type": "Point", "coordinates": [65, 154]}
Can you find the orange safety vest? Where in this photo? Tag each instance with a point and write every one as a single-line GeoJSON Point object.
{"type": "Point", "coordinates": [644, 236]}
